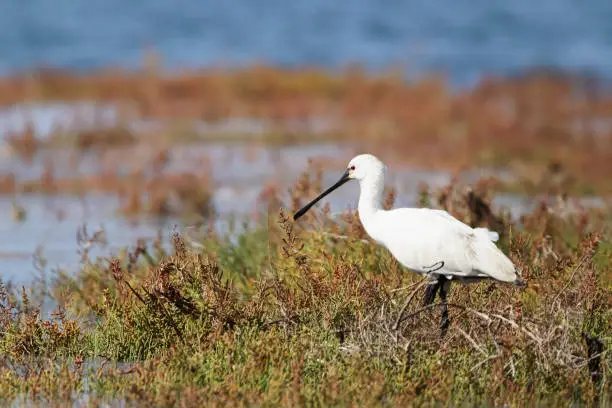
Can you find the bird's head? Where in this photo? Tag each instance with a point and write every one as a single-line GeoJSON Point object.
{"type": "Point", "coordinates": [365, 165]}
{"type": "Point", "coordinates": [361, 167]}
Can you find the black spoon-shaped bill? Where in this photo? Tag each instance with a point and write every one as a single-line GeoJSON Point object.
{"type": "Point", "coordinates": [345, 177]}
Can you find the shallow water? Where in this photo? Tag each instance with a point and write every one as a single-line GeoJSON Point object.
{"type": "Point", "coordinates": [52, 222]}
{"type": "Point", "coordinates": [237, 172]}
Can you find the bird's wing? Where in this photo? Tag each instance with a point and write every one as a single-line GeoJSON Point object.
{"type": "Point", "coordinates": [422, 239]}
{"type": "Point", "coordinates": [491, 235]}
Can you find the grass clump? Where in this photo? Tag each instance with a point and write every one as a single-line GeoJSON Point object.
{"type": "Point", "coordinates": [318, 316]}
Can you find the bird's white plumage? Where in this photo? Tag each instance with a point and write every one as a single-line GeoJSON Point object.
{"type": "Point", "coordinates": [425, 240]}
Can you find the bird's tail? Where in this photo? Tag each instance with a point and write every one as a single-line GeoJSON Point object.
{"type": "Point", "coordinates": [491, 261]}
{"type": "Point", "coordinates": [491, 235]}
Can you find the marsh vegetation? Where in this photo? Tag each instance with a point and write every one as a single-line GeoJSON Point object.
{"type": "Point", "coordinates": [284, 313]}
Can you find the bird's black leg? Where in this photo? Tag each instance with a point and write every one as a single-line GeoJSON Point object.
{"type": "Point", "coordinates": [434, 285]}
{"type": "Point", "coordinates": [430, 292]}
{"type": "Point", "coordinates": [444, 288]}
{"type": "Point", "coordinates": [441, 285]}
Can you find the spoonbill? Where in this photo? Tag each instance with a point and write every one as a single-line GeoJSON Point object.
{"type": "Point", "coordinates": [427, 241]}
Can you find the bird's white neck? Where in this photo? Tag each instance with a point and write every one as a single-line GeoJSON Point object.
{"type": "Point", "coordinates": [370, 197]}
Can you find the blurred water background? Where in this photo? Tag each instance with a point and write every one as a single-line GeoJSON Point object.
{"type": "Point", "coordinates": [464, 38]}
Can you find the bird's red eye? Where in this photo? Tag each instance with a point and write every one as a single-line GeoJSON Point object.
{"type": "Point", "coordinates": [352, 168]}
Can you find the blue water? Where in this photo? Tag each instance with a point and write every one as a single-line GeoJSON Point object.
{"type": "Point", "coordinates": [463, 38]}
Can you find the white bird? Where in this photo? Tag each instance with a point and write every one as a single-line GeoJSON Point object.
{"type": "Point", "coordinates": [427, 241]}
